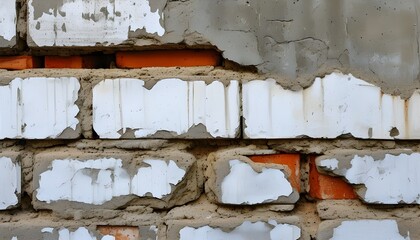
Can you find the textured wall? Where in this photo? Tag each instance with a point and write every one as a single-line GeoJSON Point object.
{"type": "Point", "coordinates": [138, 119]}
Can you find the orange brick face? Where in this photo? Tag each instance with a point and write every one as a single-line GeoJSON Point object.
{"type": "Point", "coordinates": [19, 62]}
{"type": "Point", "coordinates": [290, 160]}
{"type": "Point", "coordinates": [327, 187]}
{"type": "Point", "coordinates": [167, 58]}
{"type": "Point", "coordinates": [63, 62]}
{"type": "Point", "coordinates": [120, 232]}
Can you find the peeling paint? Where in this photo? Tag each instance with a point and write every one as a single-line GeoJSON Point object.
{"type": "Point", "coordinates": [38, 108]}
{"type": "Point", "coordinates": [90, 22]}
{"type": "Point", "coordinates": [8, 19]}
{"type": "Point", "coordinates": [334, 105]}
{"type": "Point", "coordinates": [171, 105]}
{"type": "Point", "coordinates": [246, 231]}
{"type": "Point", "coordinates": [10, 177]}
{"type": "Point", "coordinates": [159, 175]}
{"type": "Point", "coordinates": [330, 164]}
{"type": "Point", "coordinates": [368, 230]}
{"type": "Point", "coordinates": [245, 185]}
{"type": "Point", "coordinates": [390, 180]}
{"type": "Point", "coordinates": [80, 234]}
{"type": "Point", "coordinates": [98, 181]}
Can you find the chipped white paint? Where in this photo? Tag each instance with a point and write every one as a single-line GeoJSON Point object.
{"type": "Point", "coordinates": [10, 174]}
{"type": "Point", "coordinates": [47, 230]}
{"type": "Point", "coordinates": [159, 176]}
{"type": "Point", "coordinates": [368, 230]}
{"type": "Point", "coordinates": [87, 22]}
{"type": "Point", "coordinates": [14, 238]}
{"type": "Point", "coordinates": [80, 234]}
{"type": "Point", "coordinates": [171, 105]}
{"type": "Point", "coordinates": [154, 229]}
{"type": "Point", "coordinates": [334, 105]}
{"type": "Point", "coordinates": [391, 180]}
{"type": "Point", "coordinates": [246, 231]}
{"type": "Point", "coordinates": [38, 107]}
{"type": "Point", "coordinates": [98, 181]}
{"type": "Point", "coordinates": [8, 19]}
{"type": "Point", "coordinates": [244, 185]}
{"type": "Point", "coordinates": [330, 164]}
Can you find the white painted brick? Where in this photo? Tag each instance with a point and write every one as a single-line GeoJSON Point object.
{"type": "Point", "coordinates": [10, 179]}
{"type": "Point", "coordinates": [98, 181]}
{"type": "Point", "coordinates": [243, 185]}
{"type": "Point", "coordinates": [7, 23]}
{"type": "Point", "coordinates": [38, 108]}
{"type": "Point", "coordinates": [88, 22]}
{"type": "Point", "coordinates": [246, 231]}
{"type": "Point", "coordinates": [334, 105]}
{"type": "Point", "coordinates": [367, 230]}
{"type": "Point", "coordinates": [391, 179]}
{"type": "Point", "coordinates": [172, 105]}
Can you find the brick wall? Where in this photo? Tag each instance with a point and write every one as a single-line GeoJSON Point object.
{"type": "Point", "coordinates": [118, 124]}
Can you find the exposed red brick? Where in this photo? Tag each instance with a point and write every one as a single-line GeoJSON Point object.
{"type": "Point", "coordinates": [290, 160]}
{"type": "Point", "coordinates": [167, 58]}
{"type": "Point", "coordinates": [120, 232]}
{"type": "Point", "coordinates": [328, 187]}
{"type": "Point", "coordinates": [19, 62]}
{"type": "Point", "coordinates": [88, 61]}
{"type": "Point", "coordinates": [63, 62]}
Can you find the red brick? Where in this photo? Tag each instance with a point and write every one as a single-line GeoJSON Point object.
{"type": "Point", "coordinates": [328, 187]}
{"type": "Point", "coordinates": [87, 61]}
{"type": "Point", "coordinates": [167, 58]}
{"type": "Point", "coordinates": [63, 62]}
{"type": "Point", "coordinates": [19, 62]}
{"type": "Point", "coordinates": [290, 160]}
{"type": "Point", "coordinates": [120, 232]}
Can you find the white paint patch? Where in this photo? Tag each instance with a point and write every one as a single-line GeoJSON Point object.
{"type": "Point", "coordinates": [391, 180]}
{"type": "Point", "coordinates": [244, 185]}
{"type": "Point", "coordinates": [159, 177]}
{"type": "Point", "coordinates": [154, 229]}
{"type": "Point", "coordinates": [14, 238]}
{"type": "Point", "coordinates": [98, 181]}
{"type": "Point", "coordinates": [47, 230]}
{"type": "Point", "coordinates": [38, 107]}
{"type": "Point", "coordinates": [334, 105]}
{"type": "Point", "coordinates": [330, 164]}
{"type": "Point", "coordinates": [8, 19]}
{"type": "Point", "coordinates": [88, 22]}
{"type": "Point", "coordinates": [171, 105]}
{"type": "Point", "coordinates": [368, 230]}
{"type": "Point", "coordinates": [80, 234]}
{"type": "Point", "coordinates": [10, 179]}
{"type": "Point", "coordinates": [246, 231]}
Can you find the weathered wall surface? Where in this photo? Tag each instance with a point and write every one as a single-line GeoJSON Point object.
{"type": "Point", "coordinates": [141, 119]}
